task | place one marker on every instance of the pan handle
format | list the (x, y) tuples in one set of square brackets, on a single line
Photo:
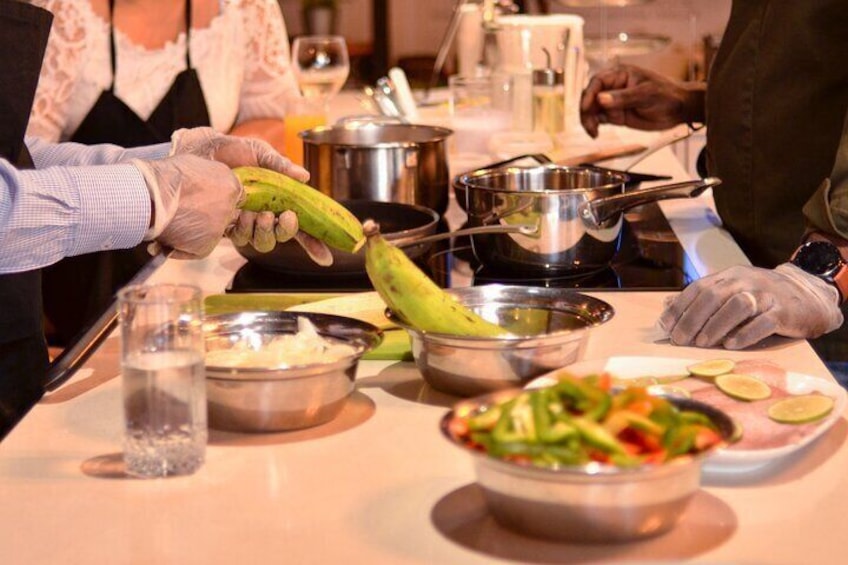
[(524, 229), (596, 212)]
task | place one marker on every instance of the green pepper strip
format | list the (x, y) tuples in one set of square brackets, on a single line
[(541, 417), (643, 423), (679, 440), (502, 432), (597, 436), (485, 420)]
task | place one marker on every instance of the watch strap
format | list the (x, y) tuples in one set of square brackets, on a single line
[(840, 279)]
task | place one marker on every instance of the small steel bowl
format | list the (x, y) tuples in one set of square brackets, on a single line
[(549, 329), (594, 503), (270, 399)]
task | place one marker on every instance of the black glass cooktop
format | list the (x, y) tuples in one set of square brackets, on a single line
[(649, 258)]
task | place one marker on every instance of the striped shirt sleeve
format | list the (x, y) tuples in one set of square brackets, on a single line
[(56, 212), (46, 154)]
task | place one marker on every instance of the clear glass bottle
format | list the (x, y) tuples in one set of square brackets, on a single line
[(549, 100)]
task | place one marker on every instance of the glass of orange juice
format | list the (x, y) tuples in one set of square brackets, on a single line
[(305, 114)]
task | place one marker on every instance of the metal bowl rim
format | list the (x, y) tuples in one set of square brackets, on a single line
[(289, 373), (607, 313), (584, 471)]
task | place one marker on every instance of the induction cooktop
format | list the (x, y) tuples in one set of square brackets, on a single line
[(649, 257)]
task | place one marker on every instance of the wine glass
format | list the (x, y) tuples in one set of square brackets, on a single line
[(321, 66)]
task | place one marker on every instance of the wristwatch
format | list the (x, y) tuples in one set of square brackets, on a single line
[(822, 259)]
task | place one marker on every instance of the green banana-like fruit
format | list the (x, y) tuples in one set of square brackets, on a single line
[(317, 214), (413, 296)]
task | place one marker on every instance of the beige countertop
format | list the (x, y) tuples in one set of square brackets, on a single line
[(379, 484)]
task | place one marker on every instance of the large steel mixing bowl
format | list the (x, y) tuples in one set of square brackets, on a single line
[(273, 398), (549, 328), (594, 503)]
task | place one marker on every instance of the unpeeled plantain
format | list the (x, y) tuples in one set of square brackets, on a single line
[(317, 214), (413, 296)]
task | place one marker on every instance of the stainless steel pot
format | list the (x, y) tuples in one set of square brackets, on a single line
[(578, 211), (387, 162)]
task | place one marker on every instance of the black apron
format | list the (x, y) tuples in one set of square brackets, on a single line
[(24, 30), (773, 140), (78, 289)]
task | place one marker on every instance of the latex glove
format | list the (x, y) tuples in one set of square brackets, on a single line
[(244, 151), (741, 306), (637, 98), (194, 200), (234, 151), (263, 231)]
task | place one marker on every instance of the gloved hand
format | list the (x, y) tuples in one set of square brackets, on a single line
[(194, 200), (262, 230), (234, 151), (743, 305), (635, 97)]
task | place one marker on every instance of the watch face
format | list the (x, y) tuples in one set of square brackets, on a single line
[(818, 257)]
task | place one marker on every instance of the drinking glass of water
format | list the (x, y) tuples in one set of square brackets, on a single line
[(321, 65), (164, 384)]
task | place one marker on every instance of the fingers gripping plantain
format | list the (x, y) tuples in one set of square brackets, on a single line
[(413, 296), (317, 214)]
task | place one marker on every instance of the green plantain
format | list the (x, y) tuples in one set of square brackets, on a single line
[(413, 296), (317, 214)]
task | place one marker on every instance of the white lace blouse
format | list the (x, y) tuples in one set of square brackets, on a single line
[(242, 60)]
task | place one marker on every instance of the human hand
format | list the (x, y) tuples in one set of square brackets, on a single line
[(234, 151), (637, 98), (263, 231), (194, 200), (743, 305)]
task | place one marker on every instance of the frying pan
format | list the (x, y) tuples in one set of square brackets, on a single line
[(397, 221)]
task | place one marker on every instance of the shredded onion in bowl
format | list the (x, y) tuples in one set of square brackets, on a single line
[(306, 347)]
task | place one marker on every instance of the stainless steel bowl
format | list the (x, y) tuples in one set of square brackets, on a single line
[(549, 328), (272, 399), (595, 503)]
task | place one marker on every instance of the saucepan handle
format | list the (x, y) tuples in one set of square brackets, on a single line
[(596, 212)]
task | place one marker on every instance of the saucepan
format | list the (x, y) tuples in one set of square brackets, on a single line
[(388, 162), (577, 213), (632, 183)]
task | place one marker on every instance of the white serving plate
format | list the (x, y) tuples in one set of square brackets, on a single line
[(726, 460)]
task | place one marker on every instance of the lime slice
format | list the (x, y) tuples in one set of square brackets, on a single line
[(711, 368), (742, 387), (801, 409)]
